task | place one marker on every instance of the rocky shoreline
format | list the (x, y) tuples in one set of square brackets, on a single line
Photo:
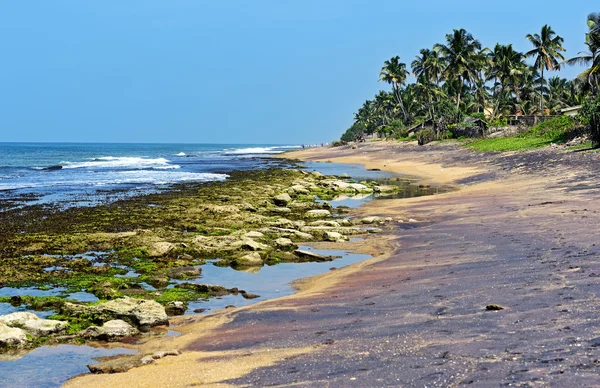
[(139, 257)]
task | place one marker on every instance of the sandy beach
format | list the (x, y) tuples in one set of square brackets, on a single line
[(518, 231)]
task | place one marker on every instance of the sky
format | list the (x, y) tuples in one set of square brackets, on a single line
[(229, 71)]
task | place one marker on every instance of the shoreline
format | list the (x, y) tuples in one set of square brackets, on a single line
[(512, 236)]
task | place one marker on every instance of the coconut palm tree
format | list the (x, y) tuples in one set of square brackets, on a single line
[(590, 78), (463, 58), (507, 67), (429, 65), (394, 73), (547, 48)]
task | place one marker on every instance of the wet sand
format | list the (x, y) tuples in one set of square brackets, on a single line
[(520, 231)]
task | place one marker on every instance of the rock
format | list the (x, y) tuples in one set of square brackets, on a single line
[(285, 244), (33, 324), (335, 185), (312, 256), (184, 272), (344, 176), (248, 295), (354, 146), (335, 237), (412, 220), (160, 249), (200, 310), (298, 190), (320, 230), (251, 245), (175, 308), (282, 223), (303, 236), (389, 219), (494, 307), (360, 188), (317, 175), (374, 230), (137, 312), (252, 259), (282, 199), (370, 220), (332, 224), (11, 337), (281, 210), (254, 234), (248, 207), (110, 330), (319, 213)]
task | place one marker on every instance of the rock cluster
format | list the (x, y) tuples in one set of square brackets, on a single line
[(18, 328)]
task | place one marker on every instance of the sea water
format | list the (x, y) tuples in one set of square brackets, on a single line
[(55, 172)]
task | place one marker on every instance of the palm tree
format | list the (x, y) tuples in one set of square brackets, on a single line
[(429, 65), (463, 57), (507, 68), (547, 48), (590, 78), (394, 73)]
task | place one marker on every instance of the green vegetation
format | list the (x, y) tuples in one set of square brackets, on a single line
[(552, 131), (460, 79)]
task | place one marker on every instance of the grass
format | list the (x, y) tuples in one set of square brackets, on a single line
[(552, 131)]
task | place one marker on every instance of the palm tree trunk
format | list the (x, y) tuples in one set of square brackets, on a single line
[(459, 92), (542, 94), (399, 98)]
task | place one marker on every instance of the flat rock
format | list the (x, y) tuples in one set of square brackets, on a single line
[(318, 213), (298, 190), (335, 237), (254, 234), (312, 256), (370, 220), (110, 330), (138, 312), (251, 245), (33, 324)]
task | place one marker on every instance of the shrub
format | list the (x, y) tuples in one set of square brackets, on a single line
[(425, 136), (554, 128), (590, 115), (498, 123), (338, 143)]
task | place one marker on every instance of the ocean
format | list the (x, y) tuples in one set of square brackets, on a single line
[(86, 172)]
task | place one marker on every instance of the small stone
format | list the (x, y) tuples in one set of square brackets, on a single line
[(335, 237), (175, 308), (494, 307)]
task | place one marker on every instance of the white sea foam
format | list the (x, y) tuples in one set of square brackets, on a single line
[(258, 150), (119, 177), (180, 154), (123, 162)]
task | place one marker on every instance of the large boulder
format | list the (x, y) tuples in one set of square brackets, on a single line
[(138, 312), (33, 324), (110, 330), (282, 199), (318, 213), (11, 337)]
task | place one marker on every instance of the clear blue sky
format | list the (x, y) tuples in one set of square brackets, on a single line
[(223, 71)]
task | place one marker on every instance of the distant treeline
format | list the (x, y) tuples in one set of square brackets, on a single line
[(460, 78)]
